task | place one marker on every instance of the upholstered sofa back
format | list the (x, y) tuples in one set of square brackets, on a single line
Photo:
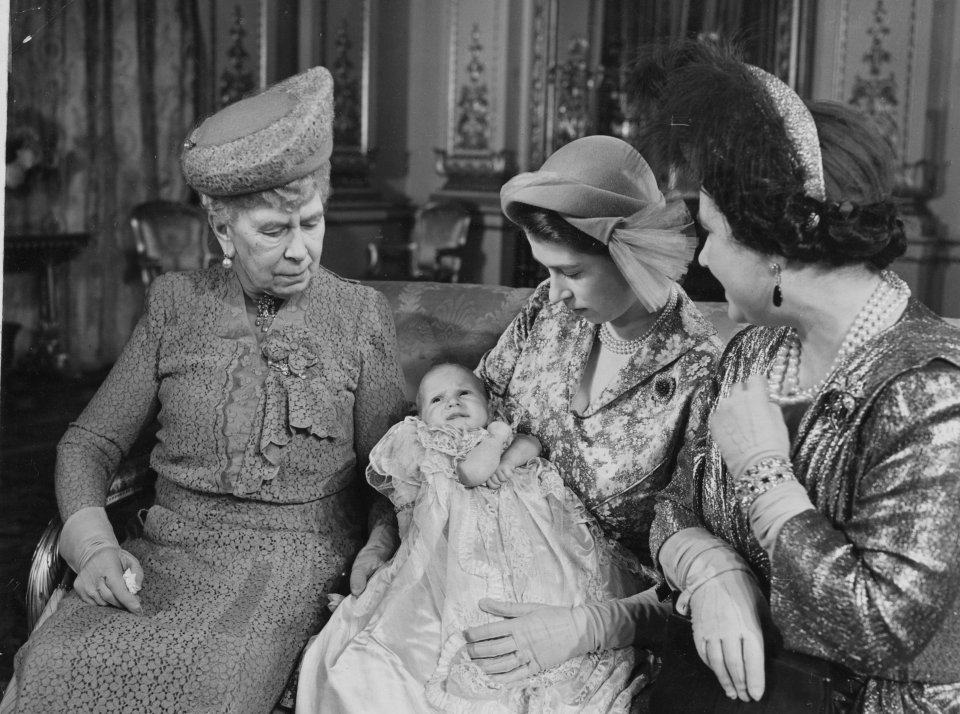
[(459, 322)]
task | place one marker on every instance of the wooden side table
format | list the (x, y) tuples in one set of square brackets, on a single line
[(46, 254)]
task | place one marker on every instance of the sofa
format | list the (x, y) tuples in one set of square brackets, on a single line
[(459, 322), (434, 321)]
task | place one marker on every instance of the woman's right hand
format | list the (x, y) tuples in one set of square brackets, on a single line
[(727, 613), (101, 582)]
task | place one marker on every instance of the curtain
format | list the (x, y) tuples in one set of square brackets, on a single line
[(110, 89)]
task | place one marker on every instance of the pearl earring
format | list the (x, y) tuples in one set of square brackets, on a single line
[(777, 293), (227, 262)]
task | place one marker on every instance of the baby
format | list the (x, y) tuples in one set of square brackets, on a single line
[(452, 395), (480, 516)]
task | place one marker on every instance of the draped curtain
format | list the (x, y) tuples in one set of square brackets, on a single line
[(110, 88)]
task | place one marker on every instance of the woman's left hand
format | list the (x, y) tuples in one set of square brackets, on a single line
[(379, 549), (747, 426), (532, 638)]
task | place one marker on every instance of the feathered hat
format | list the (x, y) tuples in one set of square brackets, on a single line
[(736, 130)]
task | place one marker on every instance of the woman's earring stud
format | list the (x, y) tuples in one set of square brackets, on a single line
[(777, 294), (227, 262)]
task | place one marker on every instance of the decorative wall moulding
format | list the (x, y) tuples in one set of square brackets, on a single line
[(472, 158), (481, 171), (344, 32), (880, 71)]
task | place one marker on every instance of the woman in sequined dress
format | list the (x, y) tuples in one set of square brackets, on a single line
[(819, 510), (601, 366), (271, 380)]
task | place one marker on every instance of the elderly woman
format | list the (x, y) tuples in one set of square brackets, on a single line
[(271, 380), (825, 491), (601, 366)]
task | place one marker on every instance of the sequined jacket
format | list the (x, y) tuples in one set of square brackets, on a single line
[(622, 449), (871, 578)]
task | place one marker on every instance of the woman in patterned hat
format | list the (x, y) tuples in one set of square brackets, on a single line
[(601, 365), (271, 379), (813, 528)]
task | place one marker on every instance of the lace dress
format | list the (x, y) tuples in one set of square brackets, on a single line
[(258, 503), (399, 646)]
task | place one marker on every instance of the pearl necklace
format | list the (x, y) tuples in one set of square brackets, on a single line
[(889, 298), (267, 308), (628, 347)]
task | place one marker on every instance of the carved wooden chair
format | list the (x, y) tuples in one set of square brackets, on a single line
[(171, 236), (438, 242), (350, 256)]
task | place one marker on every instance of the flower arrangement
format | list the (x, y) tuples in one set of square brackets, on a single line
[(24, 153)]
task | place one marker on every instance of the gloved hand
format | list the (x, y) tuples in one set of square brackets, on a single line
[(535, 637), (691, 557), (748, 427), (727, 611), (89, 546), (770, 511), (380, 547)]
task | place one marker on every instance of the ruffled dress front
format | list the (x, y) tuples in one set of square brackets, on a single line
[(399, 646)]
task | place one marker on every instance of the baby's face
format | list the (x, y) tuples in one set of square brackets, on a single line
[(453, 395)]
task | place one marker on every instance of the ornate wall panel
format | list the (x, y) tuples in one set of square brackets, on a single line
[(473, 156), (886, 61), (882, 68)]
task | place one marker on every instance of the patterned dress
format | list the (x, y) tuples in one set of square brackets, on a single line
[(871, 578), (622, 450), (258, 506), (528, 541)]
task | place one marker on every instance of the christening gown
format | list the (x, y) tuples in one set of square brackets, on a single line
[(399, 646)]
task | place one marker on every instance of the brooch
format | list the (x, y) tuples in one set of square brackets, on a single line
[(664, 388), (839, 406)]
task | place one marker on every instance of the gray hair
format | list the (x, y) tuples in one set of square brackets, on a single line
[(225, 209)]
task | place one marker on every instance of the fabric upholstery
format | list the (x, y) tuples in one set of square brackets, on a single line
[(458, 322)]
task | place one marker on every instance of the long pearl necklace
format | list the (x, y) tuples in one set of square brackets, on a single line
[(889, 298), (628, 347)]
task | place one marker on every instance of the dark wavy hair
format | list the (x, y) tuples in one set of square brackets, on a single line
[(708, 117), (859, 221), (547, 225)]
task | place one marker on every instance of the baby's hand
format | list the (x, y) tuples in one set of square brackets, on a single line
[(333, 600), (500, 430), (503, 474)]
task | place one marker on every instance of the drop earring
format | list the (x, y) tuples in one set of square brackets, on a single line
[(777, 294), (227, 262)]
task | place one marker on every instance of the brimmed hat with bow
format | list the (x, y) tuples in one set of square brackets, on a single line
[(602, 186)]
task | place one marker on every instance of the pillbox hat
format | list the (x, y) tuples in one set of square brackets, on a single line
[(263, 141)]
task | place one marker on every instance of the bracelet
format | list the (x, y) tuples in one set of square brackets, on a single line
[(761, 477)]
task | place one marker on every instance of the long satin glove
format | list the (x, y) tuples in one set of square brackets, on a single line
[(771, 510), (718, 589), (727, 612), (691, 557), (380, 546), (747, 427), (89, 546), (535, 637)]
